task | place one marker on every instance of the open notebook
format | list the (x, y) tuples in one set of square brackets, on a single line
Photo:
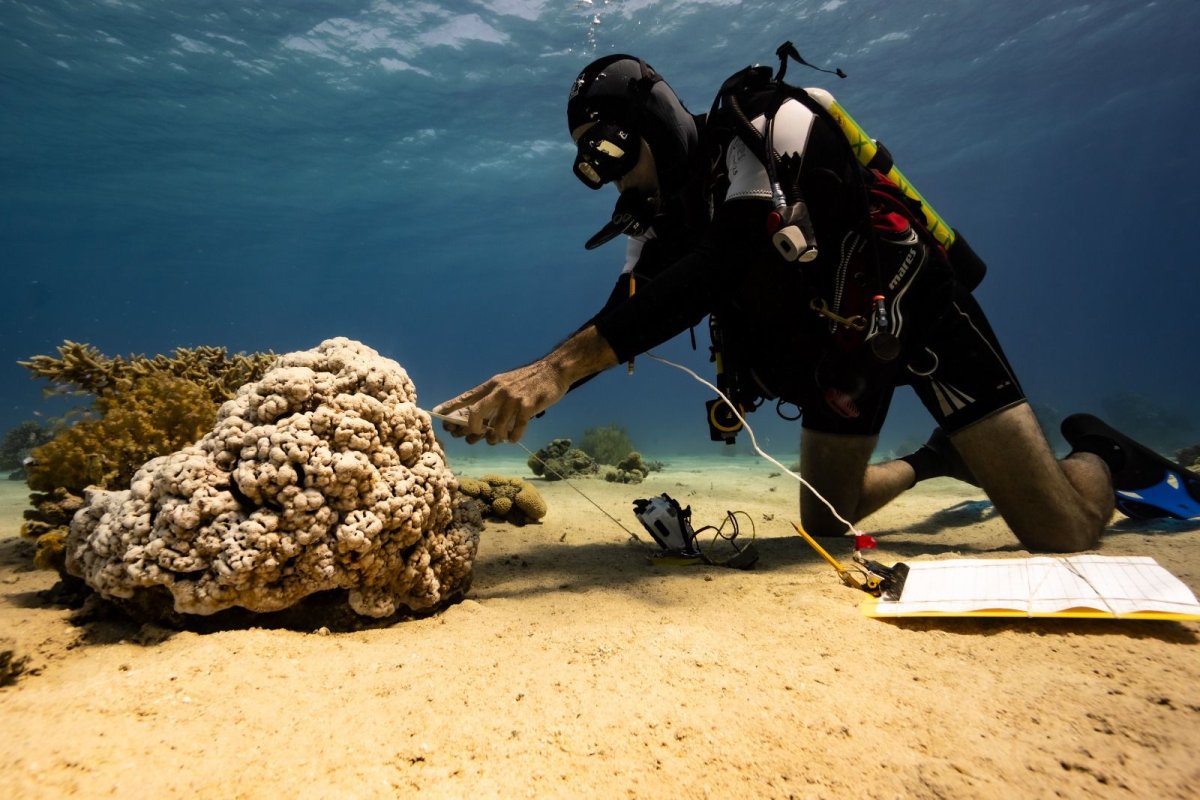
[(1126, 587)]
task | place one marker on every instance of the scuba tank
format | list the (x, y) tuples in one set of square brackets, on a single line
[(969, 268), (882, 178)]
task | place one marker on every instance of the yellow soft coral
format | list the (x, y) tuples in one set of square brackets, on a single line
[(137, 421), (51, 550)]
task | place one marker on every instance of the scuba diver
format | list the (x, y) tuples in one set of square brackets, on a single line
[(827, 285)]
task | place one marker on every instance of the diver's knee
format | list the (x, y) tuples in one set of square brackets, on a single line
[(826, 528), (1081, 532), (819, 520)]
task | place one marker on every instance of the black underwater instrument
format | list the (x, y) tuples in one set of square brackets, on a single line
[(723, 423)]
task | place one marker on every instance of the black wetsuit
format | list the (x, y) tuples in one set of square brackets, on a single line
[(764, 304)]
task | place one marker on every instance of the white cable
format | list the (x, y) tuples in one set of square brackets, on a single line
[(462, 421), (754, 441)]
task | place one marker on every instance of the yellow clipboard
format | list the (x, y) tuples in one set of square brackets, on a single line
[(877, 608)]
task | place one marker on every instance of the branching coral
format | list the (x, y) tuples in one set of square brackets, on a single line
[(322, 475), (510, 499), (82, 368), (136, 422)]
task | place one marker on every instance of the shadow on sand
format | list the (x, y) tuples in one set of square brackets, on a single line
[(572, 569)]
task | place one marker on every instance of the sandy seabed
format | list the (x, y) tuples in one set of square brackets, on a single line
[(578, 668)]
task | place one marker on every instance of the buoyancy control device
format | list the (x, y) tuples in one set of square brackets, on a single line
[(789, 223)]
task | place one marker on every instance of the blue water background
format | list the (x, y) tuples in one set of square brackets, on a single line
[(263, 175)]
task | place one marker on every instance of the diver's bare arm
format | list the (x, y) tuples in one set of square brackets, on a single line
[(500, 408)]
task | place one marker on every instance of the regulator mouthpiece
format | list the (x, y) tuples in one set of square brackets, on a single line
[(633, 215), (792, 233)]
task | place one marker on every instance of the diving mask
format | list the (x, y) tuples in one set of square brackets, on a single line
[(606, 152)]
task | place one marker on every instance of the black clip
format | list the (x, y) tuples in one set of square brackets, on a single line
[(890, 579)]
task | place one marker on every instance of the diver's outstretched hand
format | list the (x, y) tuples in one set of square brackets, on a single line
[(499, 409)]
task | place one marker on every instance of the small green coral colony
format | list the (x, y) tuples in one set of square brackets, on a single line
[(607, 444), (630, 469)]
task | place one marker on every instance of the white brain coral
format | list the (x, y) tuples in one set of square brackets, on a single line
[(322, 475)]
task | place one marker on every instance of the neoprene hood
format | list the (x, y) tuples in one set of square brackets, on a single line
[(626, 90)]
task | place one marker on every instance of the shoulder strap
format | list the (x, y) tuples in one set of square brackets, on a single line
[(727, 113)]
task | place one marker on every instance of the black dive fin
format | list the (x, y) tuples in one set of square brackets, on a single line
[(1147, 485)]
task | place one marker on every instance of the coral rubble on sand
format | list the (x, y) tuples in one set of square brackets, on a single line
[(12, 665), (321, 475)]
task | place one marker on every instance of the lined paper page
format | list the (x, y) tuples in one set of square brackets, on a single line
[(1135, 583), (1043, 584)]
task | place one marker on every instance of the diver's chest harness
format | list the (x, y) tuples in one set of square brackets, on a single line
[(879, 259)]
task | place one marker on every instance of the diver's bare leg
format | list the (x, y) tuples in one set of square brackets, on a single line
[(1061, 506), (837, 467)]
